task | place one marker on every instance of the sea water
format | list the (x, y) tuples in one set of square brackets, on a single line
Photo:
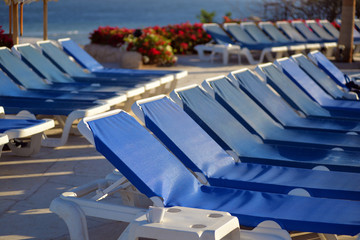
[(77, 18)]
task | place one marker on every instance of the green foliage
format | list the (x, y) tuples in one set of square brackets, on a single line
[(205, 16)]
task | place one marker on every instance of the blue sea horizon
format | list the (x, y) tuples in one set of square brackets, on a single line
[(76, 19)]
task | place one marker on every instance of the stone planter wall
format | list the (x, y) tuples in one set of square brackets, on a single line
[(108, 54)]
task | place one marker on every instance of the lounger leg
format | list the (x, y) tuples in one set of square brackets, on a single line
[(73, 216), (33, 146), (324, 236), (225, 55)]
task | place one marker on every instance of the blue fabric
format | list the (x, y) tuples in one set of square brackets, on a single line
[(230, 134), (327, 66), (13, 105), (184, 138), (46, 69), (282, 112), (8, 124), (275, 34), (245, 109), (9, 88), (338, 108), (256, 33), (291, 32), (88, 62), (331, 29), (307, 33), (245, 39), (22, 74), (319, 77), (218, 35), (321, 32), (295, 92), (155, 172)]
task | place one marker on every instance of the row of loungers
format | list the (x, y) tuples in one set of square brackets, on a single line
[(257, 145), (267, 38), (44, 80)]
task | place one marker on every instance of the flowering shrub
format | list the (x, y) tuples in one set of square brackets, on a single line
[(5, 39), (154, 48), (113, 36), (179, 38), (184, 37)]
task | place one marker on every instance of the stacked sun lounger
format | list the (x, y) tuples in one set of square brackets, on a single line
[(269, 40), (280, 146)]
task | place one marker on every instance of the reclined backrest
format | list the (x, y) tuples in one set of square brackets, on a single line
[(290, 31), (330, 28), (306, 32), (41, 64), (320, 31), (7, 86), (256, 32), (18, 70), (290, 91), (274, 32), (142, 159), (80, 55), (318, 76), (239, 34), (217, 34), (60, 59), (193, 146), (327, 66)]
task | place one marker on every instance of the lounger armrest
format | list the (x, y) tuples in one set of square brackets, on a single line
[(136, 108), (85, 129)]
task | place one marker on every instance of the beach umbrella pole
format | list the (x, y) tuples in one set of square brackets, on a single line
[(45, 19), (15, 17)]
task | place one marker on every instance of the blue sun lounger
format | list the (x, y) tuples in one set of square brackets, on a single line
[(44, 68), (230, 134), (10, 88), (88, 62), (321, 31), (47, 69), (277, 36), (322, 79), (330, 69), (295, 36), (250, 43), (281, 111), (23, 75), (155, 172), (302, 101), (65, 111), (336, 33), (254, 118), (20, 127), (200, 153)]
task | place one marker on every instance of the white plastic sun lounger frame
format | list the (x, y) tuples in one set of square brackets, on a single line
[(3, 140), (73, 209), (224, 50), (34, 132)]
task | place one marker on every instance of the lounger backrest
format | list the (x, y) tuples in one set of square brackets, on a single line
[(274, 32), (239, 34), (330, 28), (224, 128), (184, 137), (60, 59), (256, 32), (18, 70), (320, 31), (142, 159), (297, 75), (243, 107), (41, 64), (291, 92), (290, 31), (318, 76), (306, 32), (253, 86), (80, 55), (327, 66), (217, 34), (8, 87)]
